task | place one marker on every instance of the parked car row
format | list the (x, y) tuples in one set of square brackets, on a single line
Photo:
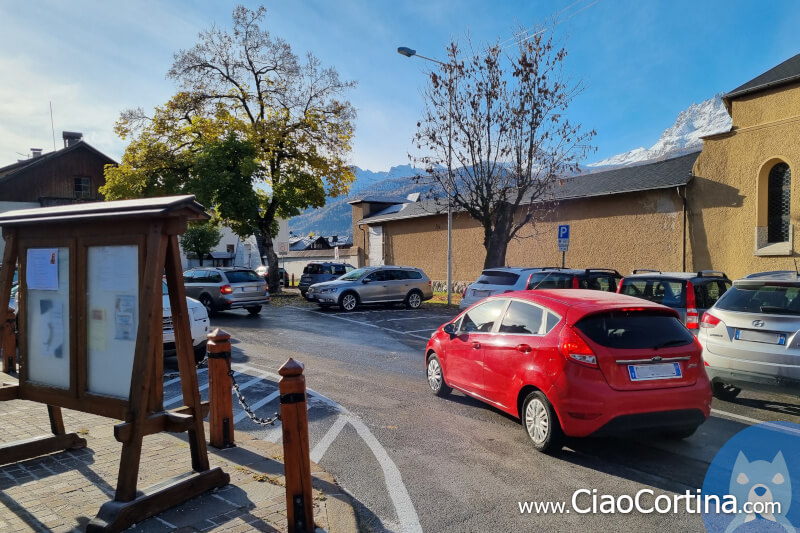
[(591, 362)]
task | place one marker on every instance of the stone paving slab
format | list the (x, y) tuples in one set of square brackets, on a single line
[(63, 491)]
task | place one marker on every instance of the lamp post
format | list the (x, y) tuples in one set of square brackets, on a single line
[(409, 52)]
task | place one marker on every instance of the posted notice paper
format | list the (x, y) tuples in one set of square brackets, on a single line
[(41, 269)]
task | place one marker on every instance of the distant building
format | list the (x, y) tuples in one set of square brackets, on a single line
[(72, 174), (731, 207)]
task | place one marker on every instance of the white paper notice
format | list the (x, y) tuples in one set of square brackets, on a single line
[(41, 270)]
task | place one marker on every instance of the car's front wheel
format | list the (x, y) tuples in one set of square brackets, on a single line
[(253, 309), (541, 423), (414, 300), (348, 301), (436, 377), (725, 392)]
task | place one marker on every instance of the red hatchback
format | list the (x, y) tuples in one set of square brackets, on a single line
[(574, 362)]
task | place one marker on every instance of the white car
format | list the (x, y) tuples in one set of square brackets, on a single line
[(200, 326)]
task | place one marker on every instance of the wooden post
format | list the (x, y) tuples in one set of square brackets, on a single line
[(297, 463), (292, 279), (9, 344), (220, 416)]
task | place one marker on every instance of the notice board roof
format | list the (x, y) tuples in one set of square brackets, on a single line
[(143, 208)]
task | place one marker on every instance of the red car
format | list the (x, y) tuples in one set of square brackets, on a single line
[(576, 363)]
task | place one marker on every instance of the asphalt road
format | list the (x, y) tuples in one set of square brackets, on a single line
[(416, 462)]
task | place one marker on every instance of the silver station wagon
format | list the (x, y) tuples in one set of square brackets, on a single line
[(369, 285), (751, 337)]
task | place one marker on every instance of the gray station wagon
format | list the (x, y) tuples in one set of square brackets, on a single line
[(368, 285), (227, 288)]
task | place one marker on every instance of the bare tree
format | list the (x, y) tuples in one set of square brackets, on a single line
[(495, 137)]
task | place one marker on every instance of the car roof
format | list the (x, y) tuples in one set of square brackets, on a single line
[(656, 274), (584, 301), (757, 278), (579, 271), (514, 270)]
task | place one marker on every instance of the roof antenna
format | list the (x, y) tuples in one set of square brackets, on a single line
[(52, 126)]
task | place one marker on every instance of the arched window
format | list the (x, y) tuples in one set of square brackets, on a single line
[(779, 189)]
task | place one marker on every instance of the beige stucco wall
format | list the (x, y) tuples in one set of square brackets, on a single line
[(626, 231), (768, 106), (727, 198)]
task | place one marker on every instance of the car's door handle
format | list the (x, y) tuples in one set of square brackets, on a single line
[(476, 345), (524, 348)]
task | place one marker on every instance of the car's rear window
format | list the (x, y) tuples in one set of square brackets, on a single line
[(661, 291), (242, 276), (762, 299), (635, 330), (497, 277), (550, 280), (313, 269)]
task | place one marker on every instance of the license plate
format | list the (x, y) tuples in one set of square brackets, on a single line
[(654, 371), (767, 337), (482, 294)]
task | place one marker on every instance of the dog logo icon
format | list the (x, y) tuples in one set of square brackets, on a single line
[(754, 473), (765, 483)]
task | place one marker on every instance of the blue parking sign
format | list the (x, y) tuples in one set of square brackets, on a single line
[(563, 232)]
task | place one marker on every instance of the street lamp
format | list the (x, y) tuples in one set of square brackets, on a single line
[(410, 52)]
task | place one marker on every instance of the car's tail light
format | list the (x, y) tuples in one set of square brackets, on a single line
[(430, 283), (619, 286), (226, 289), (464, 293), (575, 282), (692, 316), (709, 320), (528, 283), (575, 349)]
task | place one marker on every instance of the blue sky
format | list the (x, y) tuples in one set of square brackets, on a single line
[(641, 61)]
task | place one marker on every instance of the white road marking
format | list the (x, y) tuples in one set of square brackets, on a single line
[(394, 481), (169, 525), (413, 318), (175, 380), (404, 507), (360, 323), (253, 381), (755, 421), (322, 446), (263, 401), (420, 330)]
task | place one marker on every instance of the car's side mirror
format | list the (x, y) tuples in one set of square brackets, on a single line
[(450, 328), (365, 280)]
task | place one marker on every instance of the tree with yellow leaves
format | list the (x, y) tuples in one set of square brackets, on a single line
[(254, 133)]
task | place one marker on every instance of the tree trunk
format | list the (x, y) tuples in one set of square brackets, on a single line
[(496, 238), (272, 262), (199, 257)]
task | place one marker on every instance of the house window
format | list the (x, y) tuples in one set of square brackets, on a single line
[(83, 188), (230, 248), (779, 188)]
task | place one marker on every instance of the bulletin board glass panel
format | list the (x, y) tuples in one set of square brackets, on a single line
[(112, 315), (47, 308)]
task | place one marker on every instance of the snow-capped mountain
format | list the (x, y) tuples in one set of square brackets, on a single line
[(699, 120)]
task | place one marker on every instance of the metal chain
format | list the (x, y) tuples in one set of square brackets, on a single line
[(246, 407)]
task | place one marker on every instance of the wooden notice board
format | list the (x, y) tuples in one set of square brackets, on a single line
[(90, 335)]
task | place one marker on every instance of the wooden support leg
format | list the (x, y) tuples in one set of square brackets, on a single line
[(183, 346), (56, 420), (9, 344)]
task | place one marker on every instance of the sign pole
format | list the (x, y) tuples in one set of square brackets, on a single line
[(563, 259)]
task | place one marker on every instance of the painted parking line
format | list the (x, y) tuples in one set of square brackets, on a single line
[(404, 507), (421, 330), (175, 380), (263, 401), (359, 322), (415, 318), (755, 421)]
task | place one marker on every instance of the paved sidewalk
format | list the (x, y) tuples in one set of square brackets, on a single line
[(64, 491)]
